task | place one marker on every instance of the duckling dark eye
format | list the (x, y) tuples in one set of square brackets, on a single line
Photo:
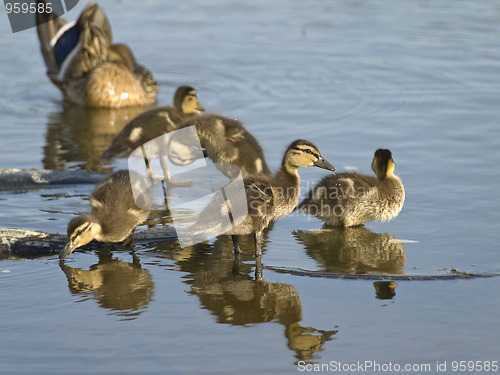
[(308, 151)]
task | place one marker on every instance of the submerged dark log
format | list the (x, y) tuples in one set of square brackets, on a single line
[(20, 243), (19, 179)]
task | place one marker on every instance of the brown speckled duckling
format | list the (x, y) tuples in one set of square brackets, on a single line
[(227, 143), (114, 213), (267, 198), (154, 123), (84, 64), (350, 199)]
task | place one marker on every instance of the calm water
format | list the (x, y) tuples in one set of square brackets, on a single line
[(420, 78)]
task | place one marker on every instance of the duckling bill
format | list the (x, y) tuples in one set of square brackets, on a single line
[(351, 199), (267, 198), (114, 213)]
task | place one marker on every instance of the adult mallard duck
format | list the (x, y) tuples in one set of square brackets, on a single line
[(84, 64), (349, 199), (266, 198), (114, 212)]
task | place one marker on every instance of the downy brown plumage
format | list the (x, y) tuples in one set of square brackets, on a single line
[(114, 213), (266, 198), (350, 199)]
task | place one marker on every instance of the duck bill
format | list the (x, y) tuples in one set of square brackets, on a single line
[(322, 163), (68, 249), (200, 108)]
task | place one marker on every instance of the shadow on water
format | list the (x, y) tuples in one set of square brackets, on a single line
[(123, 287), (76, 136), (226, 286)]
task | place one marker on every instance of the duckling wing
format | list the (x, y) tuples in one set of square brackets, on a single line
[(113, 204), (143, 128), (338, 190), (227, 141)]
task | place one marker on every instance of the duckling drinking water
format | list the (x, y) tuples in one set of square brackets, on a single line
[(266, 198), (350, 199), (114, 213), (228, 144), (84, 64)]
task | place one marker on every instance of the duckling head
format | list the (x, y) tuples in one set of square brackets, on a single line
[(382, 164), (81, 230), (302, 153), (186, 100)]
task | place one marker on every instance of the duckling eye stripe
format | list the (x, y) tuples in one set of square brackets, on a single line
[(306, 150), (79, 232)]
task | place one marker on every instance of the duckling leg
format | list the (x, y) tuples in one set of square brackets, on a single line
[(236, 264), (128, 242), (258, 268), (235, 244), (258, 246), (169, 180)]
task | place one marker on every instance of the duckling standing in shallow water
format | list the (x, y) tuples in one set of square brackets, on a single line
[(350, 199), (154, 123), (114, 212), (84, 64), (266, 198), (227, 143)]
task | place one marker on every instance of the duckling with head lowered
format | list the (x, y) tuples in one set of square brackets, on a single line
[(84, 64), (350, 199), (114, 212), (229, 144), (266, 198)]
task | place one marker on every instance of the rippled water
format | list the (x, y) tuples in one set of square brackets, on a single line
[(420, 78)]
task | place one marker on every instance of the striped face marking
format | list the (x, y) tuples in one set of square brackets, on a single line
[(308, 150), (79, 231)]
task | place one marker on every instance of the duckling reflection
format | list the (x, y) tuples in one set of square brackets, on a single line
[(115, 284), (385, 289), (231, 294), (355, 250), (77, 135)]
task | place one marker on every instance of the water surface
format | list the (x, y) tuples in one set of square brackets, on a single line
[(420, 78)]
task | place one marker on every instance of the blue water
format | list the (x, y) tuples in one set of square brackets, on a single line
[(420, 78)]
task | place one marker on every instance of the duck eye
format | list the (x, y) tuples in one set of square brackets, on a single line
[(308, 151)]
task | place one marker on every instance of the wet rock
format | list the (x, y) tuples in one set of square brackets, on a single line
[(17, 179), (20, 243)]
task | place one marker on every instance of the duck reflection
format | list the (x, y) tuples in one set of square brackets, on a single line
[(385, 289), (77, 135), (224, 286), (121, 286), (354, 250)]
